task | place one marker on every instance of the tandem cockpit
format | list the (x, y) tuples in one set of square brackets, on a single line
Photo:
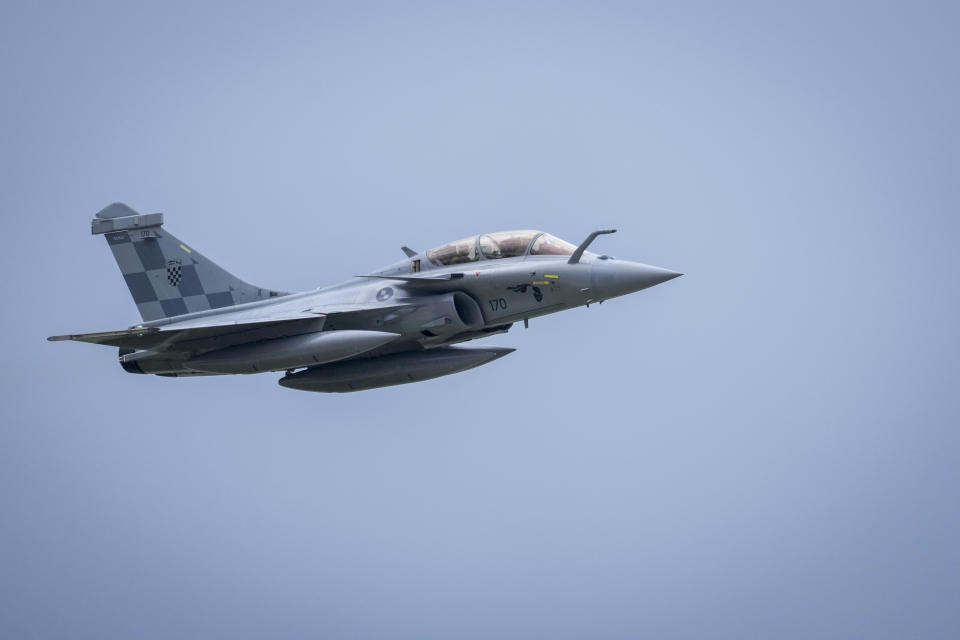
[(478, 249), (503, 244)]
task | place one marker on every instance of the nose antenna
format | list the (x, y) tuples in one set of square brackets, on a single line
[(575, 258)]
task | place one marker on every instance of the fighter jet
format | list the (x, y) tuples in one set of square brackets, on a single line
[(392, 326)]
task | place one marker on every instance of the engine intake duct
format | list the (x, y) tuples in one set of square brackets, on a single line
[(454, 313)]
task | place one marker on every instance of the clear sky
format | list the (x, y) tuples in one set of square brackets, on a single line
[(766, 447)]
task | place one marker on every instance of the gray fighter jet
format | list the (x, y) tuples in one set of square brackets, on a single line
[(393, 326)]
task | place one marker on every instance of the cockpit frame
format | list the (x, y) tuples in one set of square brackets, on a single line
[(482, 247)]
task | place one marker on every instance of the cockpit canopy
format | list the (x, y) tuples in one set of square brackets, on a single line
[(503, 244)]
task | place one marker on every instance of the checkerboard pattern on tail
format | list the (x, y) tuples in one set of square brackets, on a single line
[(174, 272), (166, 277)]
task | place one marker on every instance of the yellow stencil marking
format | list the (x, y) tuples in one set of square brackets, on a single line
[(184, 247), (550, 275), (543, 282)]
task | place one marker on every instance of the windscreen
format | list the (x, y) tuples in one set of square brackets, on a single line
[(548, 245), (506, 244)]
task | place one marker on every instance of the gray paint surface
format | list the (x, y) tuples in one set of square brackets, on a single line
[(459, 292), (764, 447)]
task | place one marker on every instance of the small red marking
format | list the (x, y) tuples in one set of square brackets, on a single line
[(478, 274)]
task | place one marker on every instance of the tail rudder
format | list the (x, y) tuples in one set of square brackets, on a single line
[(165, 276)]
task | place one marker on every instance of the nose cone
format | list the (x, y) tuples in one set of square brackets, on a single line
[(618, 277)]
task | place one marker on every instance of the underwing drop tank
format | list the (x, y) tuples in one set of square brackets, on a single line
[(389, 370), (291, 352)]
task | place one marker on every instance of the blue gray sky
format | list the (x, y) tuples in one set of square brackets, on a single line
[(766, 447)]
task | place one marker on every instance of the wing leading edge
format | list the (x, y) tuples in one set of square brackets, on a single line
[(215, 332), (174, 338)]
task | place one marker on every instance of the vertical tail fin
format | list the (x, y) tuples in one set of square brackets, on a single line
[(166, 277)]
